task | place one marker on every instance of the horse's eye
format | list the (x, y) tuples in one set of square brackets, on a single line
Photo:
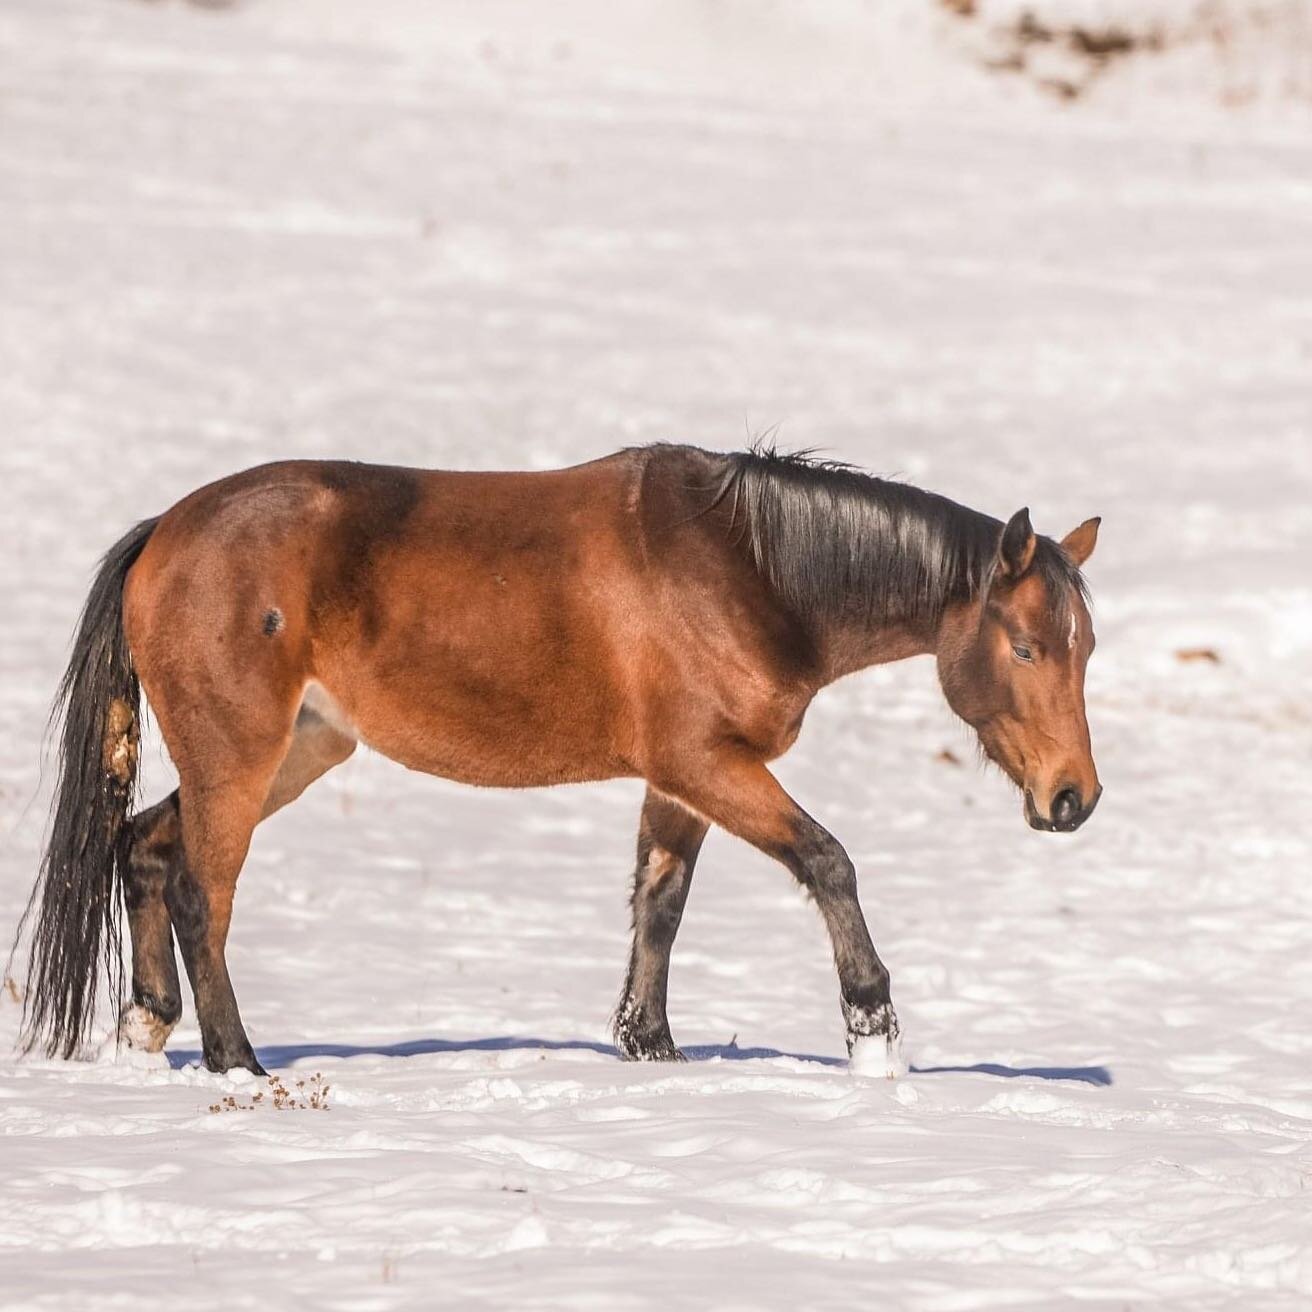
[(1022, 653)]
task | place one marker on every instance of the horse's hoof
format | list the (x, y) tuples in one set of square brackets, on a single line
[(670, 1053), (638, 1038), (878, 1055), (656, 1049), (221, 1064)]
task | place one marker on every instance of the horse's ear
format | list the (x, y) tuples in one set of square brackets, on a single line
[(1016, 547), (1079, 543)]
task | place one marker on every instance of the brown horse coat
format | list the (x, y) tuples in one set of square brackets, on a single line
[(499, 629)]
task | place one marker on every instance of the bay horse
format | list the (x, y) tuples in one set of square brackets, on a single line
[(665, 613)]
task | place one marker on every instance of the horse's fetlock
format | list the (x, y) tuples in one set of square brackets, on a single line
[(166, 1006), (868, 1017)]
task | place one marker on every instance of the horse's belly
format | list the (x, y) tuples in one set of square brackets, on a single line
[(502, 733)]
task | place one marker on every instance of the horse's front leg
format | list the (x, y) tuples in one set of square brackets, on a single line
[(742, 796), (823, 868), (669, 838)]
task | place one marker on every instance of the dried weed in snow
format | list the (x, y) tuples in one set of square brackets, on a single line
[(304, 1096)]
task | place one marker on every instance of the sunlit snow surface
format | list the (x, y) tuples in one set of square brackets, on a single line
[(443, 235)]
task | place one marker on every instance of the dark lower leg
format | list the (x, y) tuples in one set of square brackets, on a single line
[(822, 867), (743, 797), (156, 997), (216, 835), (669, 838), (201, 921)]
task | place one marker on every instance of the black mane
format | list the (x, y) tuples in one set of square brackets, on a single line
[(837, 544)]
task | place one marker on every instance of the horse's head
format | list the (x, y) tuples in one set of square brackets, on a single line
[(1012, 661)]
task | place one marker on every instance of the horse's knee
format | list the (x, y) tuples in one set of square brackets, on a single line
[(824, 868), (870, 995)]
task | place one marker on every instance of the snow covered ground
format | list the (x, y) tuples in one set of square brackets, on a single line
[(471, 235)]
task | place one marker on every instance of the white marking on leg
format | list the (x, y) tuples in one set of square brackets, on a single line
[(141, 1028)]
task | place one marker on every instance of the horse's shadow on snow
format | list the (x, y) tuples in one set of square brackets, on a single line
[(1099, 1075), (280, 1056)]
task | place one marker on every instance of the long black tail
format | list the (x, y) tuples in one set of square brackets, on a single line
[(78, 893)]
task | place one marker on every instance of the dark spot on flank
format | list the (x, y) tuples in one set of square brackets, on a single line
[(272, 621)]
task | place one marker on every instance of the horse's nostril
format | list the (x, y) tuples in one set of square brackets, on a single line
[(1065, 806)]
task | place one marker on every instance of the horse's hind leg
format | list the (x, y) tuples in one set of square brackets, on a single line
[(218, 818), (157, 861), (669, 838), (156, 997), (221, 803)]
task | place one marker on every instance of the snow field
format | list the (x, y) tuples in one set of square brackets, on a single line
[(479, 238)]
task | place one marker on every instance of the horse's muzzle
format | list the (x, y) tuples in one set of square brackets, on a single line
[(1068, 811)]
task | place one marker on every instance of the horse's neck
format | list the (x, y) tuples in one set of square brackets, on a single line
[(847, 648)]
